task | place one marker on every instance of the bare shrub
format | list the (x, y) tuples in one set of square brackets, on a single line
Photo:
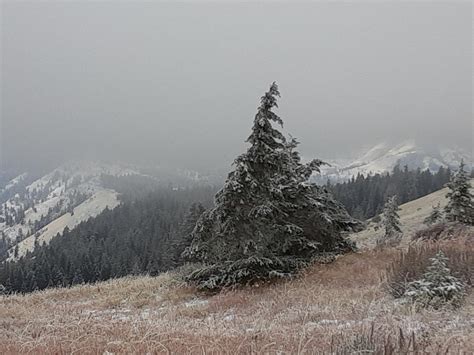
[(443, 231), (389, 242)]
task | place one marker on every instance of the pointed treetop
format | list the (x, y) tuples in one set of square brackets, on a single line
[(269, 100), (266, 140)]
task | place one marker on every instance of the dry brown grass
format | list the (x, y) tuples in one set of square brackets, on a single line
[(445, 231), (328, 308)]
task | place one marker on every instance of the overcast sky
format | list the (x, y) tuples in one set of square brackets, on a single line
[(160, 83)]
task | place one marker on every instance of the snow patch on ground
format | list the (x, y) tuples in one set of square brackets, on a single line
[(197, 302)]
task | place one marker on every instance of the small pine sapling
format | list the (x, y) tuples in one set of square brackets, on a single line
[(437, 286)]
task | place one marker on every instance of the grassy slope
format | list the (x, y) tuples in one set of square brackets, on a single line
[(304, 315), (411, 214), (145, 314)]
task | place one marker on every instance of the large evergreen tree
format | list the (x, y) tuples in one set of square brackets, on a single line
[(268, 220), (460, 207)]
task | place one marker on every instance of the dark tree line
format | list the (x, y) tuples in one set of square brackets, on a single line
[(144, 235), (365, 196)]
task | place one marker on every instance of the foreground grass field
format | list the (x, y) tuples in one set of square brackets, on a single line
[(334, 308)]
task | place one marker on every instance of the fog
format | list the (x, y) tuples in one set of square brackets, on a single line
[(179, 84)]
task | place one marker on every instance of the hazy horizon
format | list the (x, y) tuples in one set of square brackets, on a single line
[(179, 84)]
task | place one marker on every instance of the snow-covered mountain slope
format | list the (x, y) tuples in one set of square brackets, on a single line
[(91, 207), (412, 214), (14, 182), (64, 197), (383, 158)]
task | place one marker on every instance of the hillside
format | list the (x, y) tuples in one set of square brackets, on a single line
[(321, 310), (339, 308), (36, 211), (411, 215), (90, 208)]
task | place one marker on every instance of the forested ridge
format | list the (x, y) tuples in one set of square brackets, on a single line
[(365, 196), (142, 235)]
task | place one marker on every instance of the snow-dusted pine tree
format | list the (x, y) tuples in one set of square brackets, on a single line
[(268, 220), (460, 207), (437, 286), (435, 216), (391, 223)]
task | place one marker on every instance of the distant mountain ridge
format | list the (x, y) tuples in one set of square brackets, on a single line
[(383, 157), (35, 211)]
